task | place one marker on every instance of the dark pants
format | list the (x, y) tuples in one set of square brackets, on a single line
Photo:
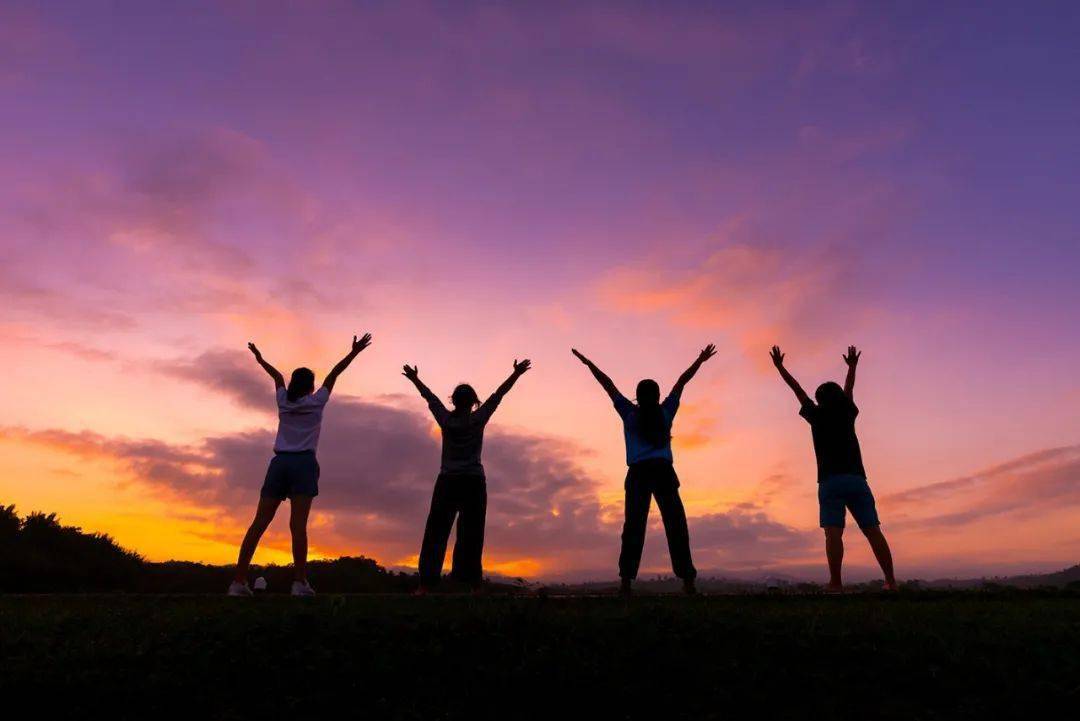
[(643, 481), (466, 498)]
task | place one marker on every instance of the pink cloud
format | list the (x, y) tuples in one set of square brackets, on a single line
[(1031, 485), (164, 230), (758, 295)]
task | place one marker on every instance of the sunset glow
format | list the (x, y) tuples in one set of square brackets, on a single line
[(474, 183)]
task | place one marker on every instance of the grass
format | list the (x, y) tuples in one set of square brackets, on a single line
[(912, 656)]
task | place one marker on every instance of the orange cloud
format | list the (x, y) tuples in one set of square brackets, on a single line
[(759, 295)]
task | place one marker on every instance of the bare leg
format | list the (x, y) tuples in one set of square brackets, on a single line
[(834, 552), (263, 515), (882, 553), (301, 507)]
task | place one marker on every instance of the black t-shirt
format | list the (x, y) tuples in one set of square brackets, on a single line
[(835, 443)]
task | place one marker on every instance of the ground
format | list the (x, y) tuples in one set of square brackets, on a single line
[(912, 656)]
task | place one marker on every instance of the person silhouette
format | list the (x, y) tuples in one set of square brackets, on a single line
[(651, 471), (841, 476), (461, 487), (294, 471)]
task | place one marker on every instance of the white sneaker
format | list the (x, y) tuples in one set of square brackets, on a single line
[(302, 588), (236, 588)]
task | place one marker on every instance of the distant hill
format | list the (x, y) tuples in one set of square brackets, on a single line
[(1059, 578), (1069, 575), (1068, 578)]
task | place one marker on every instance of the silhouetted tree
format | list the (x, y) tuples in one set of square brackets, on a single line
[(39, 554)]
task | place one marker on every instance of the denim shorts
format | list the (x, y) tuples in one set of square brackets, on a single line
[(292, 474), (846, 491)]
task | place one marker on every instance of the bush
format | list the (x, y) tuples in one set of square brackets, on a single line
[(39, 555)]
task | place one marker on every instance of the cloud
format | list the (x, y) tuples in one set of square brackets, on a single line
[(229, 371), (379, 461), (157, 226), (746, 538), (757, 294), (1034, 484), (23, 334), (84, 352), (26, 297)]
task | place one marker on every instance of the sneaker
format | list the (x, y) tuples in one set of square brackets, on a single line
[(239, 588), (302, 588), (689, 587)]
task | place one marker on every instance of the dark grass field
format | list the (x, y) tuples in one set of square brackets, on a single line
[(912, 656)]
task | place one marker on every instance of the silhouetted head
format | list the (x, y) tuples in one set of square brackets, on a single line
[(301, 383), (464, 398), (652, 425), (830, 395), (648, 393)]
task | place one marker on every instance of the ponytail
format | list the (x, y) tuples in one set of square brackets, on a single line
[(653, 427)]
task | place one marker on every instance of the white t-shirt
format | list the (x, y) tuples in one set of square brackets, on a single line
[(299, 421)]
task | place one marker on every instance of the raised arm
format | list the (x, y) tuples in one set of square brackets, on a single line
[(778, 361), (708, 352), (519, 370), (413, 374), (357, 346), (279, 380), (852, 360), (599, 375)]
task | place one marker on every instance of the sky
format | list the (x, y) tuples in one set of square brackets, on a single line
[(478, 182)]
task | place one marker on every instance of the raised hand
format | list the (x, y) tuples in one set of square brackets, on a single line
[(778, 361), (777, 356), (523, 366), (605, 382), (707, 352), (359, 345), (852, 357), (279, 380), (411, 372)]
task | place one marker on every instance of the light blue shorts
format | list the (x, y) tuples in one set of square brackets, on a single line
[(846, 491)]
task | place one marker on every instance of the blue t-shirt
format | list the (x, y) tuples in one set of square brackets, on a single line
[(637, 448)]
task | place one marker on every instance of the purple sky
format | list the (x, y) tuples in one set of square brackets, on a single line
[(475, 182)]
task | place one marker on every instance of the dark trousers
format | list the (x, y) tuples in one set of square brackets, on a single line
[(466, 498), (643, 481)]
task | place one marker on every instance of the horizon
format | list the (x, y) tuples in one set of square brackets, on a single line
[(806, 573), (485, 183)]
